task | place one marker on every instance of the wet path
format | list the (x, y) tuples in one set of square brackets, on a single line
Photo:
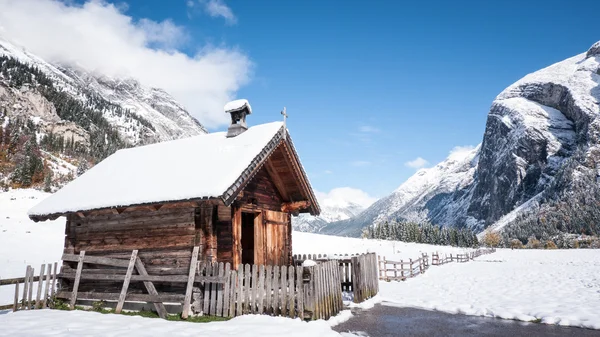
[(385, 320)]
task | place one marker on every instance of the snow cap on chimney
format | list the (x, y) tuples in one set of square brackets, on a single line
[(238, 110)]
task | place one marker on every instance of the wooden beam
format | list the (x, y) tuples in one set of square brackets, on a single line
[(190, 284), (167, 298), (81, 214), (143, 278), (160, 307), (77, 279), (126, 282), (97, 260), (276, 179), (289, 207)]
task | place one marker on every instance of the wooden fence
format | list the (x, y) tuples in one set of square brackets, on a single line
[(403, 269), (436, 260), (46, 288), (214, 289), (357, 272)]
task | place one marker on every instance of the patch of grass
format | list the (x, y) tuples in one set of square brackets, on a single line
[(537, 320), (197, 319), (99, 308)]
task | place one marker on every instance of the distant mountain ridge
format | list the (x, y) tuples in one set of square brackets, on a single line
[(535, 173)]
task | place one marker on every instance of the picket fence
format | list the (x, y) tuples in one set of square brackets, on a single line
[(358, 272), (46, 288)]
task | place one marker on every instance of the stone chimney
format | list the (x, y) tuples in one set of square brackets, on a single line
[(238, 110)]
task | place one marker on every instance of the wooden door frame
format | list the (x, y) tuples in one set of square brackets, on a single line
[(259, 243)]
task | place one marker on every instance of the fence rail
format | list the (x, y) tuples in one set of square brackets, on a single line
[(46, 288), (403, 269), (436, 260)]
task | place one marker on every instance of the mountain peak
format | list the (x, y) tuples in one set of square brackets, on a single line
[(594, 50)]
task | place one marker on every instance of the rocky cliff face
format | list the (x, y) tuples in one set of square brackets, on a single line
[(55, 116), (541, 142)]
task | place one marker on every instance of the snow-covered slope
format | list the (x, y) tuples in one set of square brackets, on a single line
[(329, 213), (338, 204), (538, 160), (153, 115), (439, 194)]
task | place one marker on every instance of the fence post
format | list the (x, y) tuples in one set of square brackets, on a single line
[(308, 283), (15, 305)]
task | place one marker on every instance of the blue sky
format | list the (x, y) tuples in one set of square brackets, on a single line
[(370, 86)]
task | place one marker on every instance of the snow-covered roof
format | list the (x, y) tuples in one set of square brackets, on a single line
[(238, 104), (205, 166)]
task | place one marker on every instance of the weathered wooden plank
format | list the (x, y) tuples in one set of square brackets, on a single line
[(96, 260), (126, 282), (268, 289), (190, 283), (291, 292), (26, 286), (253, 297), (77, 279), (53, 290), (284, 293), (213, 291), (142, 278), (46, 288), (300, 292), (275, 300), (166, 298), (240, 290), (226, 290), (247, 289), (260, 289), (16, 304), (141, 269), (30, 294), (16, 280), (327, 284), (233, 290)]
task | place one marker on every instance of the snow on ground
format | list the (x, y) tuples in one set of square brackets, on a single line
[(81, 323), (557, 286), (23, 241), (309, 243)]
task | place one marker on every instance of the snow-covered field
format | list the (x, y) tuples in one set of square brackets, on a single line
[(81, 323), (558, 287), (23, 241)]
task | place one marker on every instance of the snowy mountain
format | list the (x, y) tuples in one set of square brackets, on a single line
[(438, 194), (338, 204), (329, 213), (535, 172), (75, 114)]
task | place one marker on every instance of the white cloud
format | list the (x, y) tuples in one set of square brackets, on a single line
[(369, 129), (417, 163), (361, 163), (218, 8), (99, 36), (342, 196), (328, 172), (459, 152)]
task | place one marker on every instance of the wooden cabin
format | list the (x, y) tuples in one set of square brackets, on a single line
[(231, 193)]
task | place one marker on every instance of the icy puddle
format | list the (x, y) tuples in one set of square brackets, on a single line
[(387, 320)]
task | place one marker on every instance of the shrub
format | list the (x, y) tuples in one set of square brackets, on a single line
[(550, 245), (492, 239), (516, 244), (534, 243)]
